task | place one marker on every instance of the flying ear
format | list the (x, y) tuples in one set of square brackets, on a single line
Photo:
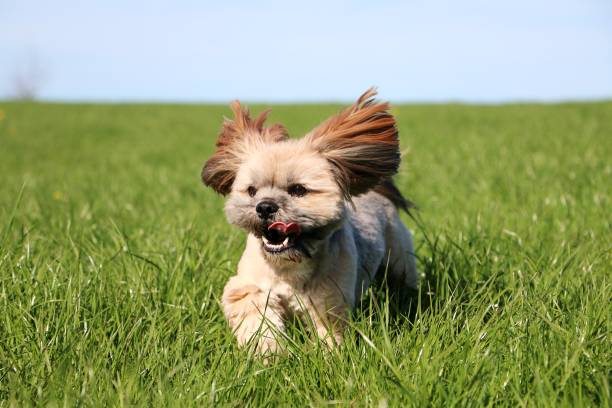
[(236, 139), (361, 143)]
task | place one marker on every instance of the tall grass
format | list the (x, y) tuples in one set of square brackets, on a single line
[(113, 257)]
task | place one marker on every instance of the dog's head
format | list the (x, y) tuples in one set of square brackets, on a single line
[(292, 193)]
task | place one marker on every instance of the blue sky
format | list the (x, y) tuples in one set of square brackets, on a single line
[(432, 51)]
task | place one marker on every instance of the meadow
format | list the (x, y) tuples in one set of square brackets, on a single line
[(113, 257)]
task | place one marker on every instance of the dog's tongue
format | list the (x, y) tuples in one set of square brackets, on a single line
[(286, 229)]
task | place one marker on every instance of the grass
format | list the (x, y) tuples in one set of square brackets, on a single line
[(113, 257)]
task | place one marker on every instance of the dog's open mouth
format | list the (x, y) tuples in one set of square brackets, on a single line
[(279, 237)]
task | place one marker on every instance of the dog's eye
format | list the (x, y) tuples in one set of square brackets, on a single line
[(252, 191), (297, 190)]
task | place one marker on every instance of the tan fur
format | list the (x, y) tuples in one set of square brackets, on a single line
[(233, 144), (321, 276), (361, 142)]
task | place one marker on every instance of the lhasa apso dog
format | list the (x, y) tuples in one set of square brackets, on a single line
[(321, 213)]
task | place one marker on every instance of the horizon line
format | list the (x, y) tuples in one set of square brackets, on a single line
[(169, 101)]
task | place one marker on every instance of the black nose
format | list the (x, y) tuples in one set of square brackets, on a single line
[(265, 209)]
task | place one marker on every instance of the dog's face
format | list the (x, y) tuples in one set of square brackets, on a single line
[(286, 194), (291, 194)]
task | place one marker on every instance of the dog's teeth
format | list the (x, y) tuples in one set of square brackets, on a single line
[(277, 247)]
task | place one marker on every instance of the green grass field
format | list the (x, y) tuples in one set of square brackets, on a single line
[(113, 257)]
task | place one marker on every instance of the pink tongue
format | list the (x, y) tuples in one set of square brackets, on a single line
[(286, 229)]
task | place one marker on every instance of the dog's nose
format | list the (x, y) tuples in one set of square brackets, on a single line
[(265, 209)]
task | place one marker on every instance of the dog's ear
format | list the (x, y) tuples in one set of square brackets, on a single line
[(237, 138), (361, 143)]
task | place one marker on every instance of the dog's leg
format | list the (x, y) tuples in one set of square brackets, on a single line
[(253, 313), (328, 322), (400, 249)]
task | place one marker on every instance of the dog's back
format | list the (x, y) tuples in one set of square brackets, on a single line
[(383, 242)]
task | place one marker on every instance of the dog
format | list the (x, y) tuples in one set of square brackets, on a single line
[(321, 213)]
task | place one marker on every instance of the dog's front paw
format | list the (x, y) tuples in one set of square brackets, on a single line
[(331, 338), (256, 316), (258, 337), (266, 345)]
